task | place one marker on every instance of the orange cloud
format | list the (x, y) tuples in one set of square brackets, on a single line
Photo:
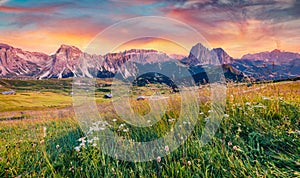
[(46, 41), (49, 35), (239, 37), (238, 27)]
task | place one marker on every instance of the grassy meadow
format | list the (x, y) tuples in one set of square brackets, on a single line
[(258, 136)]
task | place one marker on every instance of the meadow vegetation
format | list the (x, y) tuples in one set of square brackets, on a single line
[(258, 136)]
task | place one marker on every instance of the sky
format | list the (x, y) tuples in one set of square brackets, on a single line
[(238, 26)]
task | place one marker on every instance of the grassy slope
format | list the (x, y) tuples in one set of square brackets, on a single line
[(40, 94), (258, 139), (33, 101)]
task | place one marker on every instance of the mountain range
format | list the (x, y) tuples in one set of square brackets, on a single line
[(69, 61)]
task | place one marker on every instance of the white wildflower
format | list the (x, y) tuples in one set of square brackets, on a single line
[(260, 106), (172, 120), (158, 159), (82, 139), (45, 131), (265, 98), (235, 147), (167, 148), (121, 126), (77, 148)]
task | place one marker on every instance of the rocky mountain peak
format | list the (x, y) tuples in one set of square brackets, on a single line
[(4, 46), (198, 46), (200, 55), (198, 49), (66, 49), (276, 51), (222, 55)]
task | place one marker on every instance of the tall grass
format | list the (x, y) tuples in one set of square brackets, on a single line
[(258, 137)]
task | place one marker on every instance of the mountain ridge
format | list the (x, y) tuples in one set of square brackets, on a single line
[(275, 55), (68, 61)]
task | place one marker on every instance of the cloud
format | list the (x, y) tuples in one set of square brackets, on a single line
[(239, 26), (245, 9), (42, 9), (3, 2)]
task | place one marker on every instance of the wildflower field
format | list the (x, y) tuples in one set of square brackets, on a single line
[(258, 135)]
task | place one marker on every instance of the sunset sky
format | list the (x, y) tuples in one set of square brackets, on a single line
[(238, 26)]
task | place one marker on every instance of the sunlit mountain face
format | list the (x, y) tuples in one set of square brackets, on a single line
[(69, 61)]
